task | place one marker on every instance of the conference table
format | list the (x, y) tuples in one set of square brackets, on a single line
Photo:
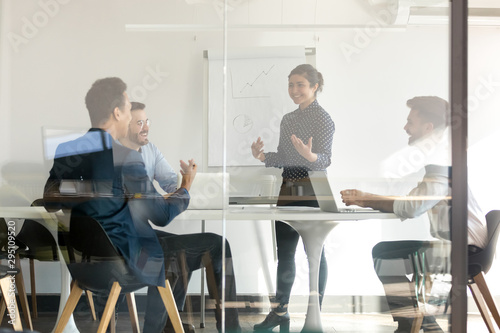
[(312, 224)]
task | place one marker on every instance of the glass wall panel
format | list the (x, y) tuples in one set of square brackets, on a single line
[(365, 116), (52, 53), (483, 102), (377, 121)]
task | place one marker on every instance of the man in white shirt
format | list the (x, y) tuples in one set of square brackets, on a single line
[(427, 127), (158, 169)]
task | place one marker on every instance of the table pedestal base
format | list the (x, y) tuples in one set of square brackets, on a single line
[(313, 236)]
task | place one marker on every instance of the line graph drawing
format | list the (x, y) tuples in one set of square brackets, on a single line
[(257, 86), (266, 73)]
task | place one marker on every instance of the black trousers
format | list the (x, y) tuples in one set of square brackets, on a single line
[(394, 263), (296, 193)]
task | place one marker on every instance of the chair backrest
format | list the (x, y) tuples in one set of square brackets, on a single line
[(93, 260), (40, 242), (481, 261), (3, 234), (4, 240), (87, 237)]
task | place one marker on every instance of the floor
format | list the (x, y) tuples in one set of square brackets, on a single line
[(341, 323)]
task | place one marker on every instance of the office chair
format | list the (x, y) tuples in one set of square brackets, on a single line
[(41, 246), (478, 265), (96, 265), (19, 281), (8, 297)]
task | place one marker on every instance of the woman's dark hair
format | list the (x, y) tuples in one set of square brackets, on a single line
[(311, 74)]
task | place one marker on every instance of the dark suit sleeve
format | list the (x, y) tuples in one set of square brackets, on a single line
[(51, 195), (52, 198)]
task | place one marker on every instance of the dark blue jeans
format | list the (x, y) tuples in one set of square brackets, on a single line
[(202, 249), (197, 248)]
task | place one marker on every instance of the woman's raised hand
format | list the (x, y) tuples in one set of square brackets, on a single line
[(258, 150), (305, 150)]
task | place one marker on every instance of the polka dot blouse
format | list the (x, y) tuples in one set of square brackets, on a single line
[(313, 122)]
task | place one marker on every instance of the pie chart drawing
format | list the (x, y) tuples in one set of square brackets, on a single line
[(242, 123)]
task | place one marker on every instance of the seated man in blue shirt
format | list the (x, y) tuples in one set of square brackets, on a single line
[(160, 170), (112, 187), (427, 128), (156, 165)]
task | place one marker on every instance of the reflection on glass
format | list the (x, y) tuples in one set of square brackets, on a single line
[(374, 56), (396, 261)]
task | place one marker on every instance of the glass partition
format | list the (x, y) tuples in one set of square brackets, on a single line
[(298, 115), (376, 121), (482, 134)]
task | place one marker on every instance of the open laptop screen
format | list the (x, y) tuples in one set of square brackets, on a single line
[(325, 197)]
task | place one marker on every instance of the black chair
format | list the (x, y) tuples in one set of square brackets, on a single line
[(5, 246), (478, 265), (96, 265), (8, 297), (41, 246)]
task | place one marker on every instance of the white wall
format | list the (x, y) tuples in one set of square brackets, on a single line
[(369, 74)]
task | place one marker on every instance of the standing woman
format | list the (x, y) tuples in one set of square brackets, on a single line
[(305, 144)]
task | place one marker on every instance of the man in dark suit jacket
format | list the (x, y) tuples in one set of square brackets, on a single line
[(109, 183)]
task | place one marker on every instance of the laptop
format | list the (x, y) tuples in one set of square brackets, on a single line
[(324, 195), (207, 191)]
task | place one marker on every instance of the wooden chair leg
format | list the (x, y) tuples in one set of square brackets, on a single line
[(417, 279), (417, 323), (169, 302), (90, 300), (2, 310), (112, 322), (485, 291), (481, 305), (132, 310), (211, 283), (109, 309), (21, 291), (184, 270), (74, 296), (33, 288), (10, 299)]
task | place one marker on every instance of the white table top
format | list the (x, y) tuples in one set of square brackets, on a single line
[(268, 213), (26, 213), (232, 213)]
